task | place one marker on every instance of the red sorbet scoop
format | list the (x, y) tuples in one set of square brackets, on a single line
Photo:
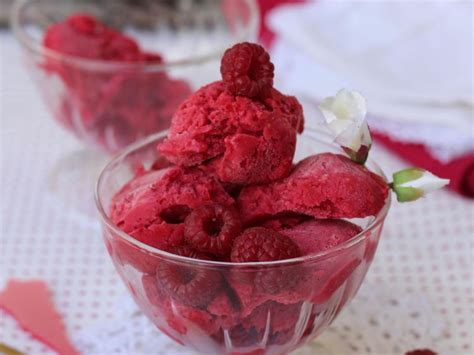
[(322, 186), (111, 106), (253, 141), (318, 235)]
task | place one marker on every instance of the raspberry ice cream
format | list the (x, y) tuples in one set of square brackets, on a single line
[(251, 141), (153, 206), (81, 35), (161, 200), (315, 236), (229, 191), (108, 106), (322, 186)]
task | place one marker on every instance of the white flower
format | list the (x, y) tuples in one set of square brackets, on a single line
[(345, 116), (413, 183)]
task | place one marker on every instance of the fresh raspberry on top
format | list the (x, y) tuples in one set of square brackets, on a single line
[(261, 244), (190, 285), (247, 70), (212, 228)]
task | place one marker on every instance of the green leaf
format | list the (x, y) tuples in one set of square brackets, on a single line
[(406, 175), (407, 194)]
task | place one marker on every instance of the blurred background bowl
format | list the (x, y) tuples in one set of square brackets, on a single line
[(110, 104)]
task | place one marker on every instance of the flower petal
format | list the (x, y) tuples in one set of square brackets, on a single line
[(345, 117), (412, 183), (426, 182)]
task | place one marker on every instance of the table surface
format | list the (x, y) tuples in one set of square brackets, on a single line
[(426, 250)]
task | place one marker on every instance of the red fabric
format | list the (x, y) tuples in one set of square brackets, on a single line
[(266, 36), (460, 170)]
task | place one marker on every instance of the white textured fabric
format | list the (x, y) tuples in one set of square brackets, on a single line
[(381, 322), (397, 324), (413, 60), (416, 51), (425, 252), (129, 333)]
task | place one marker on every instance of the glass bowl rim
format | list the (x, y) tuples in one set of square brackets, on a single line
[(36, 47), (379, 218)]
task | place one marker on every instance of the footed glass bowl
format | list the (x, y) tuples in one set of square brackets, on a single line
[(110, 104), (225, 308)]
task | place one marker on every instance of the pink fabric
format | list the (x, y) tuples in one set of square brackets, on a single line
[(31, 304)]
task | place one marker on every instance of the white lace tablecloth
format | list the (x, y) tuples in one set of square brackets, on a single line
[(418, 293)]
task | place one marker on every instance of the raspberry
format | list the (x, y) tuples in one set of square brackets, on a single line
[(246, 70), (261, 244), (161, 307), (187, 251), (150, 57), (175, 214), (421, 352), (212, 228), (192, 286)]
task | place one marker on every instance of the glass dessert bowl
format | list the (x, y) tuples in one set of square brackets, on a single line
[(101, 91), (230, 308)]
